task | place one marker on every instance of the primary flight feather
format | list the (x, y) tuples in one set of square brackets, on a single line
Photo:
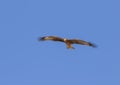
[(68, 42)]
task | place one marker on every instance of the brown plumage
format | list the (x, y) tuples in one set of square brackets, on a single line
[(68, 42)]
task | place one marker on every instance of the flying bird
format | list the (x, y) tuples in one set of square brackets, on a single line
[(68, 42)]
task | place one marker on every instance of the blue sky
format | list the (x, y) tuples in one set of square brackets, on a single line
[(26, 61)]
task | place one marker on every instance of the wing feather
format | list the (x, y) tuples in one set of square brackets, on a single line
[(54, 38), (82, 42)]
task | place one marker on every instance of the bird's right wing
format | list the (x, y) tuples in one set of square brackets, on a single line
[(54, 38)]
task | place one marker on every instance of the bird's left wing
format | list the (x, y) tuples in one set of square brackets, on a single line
[(82, 42)]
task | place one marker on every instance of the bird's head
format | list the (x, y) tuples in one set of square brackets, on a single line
[(65, 39)]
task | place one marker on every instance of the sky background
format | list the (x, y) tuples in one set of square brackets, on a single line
[(26, 61)]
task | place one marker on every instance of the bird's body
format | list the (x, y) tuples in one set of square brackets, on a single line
[(68, 42)]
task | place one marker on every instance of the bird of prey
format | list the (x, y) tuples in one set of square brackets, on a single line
[(68, 42)]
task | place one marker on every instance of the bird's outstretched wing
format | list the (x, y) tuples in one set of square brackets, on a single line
[(82, 42), (54, 38)]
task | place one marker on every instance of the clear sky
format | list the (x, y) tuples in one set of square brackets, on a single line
[(26, 61)]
